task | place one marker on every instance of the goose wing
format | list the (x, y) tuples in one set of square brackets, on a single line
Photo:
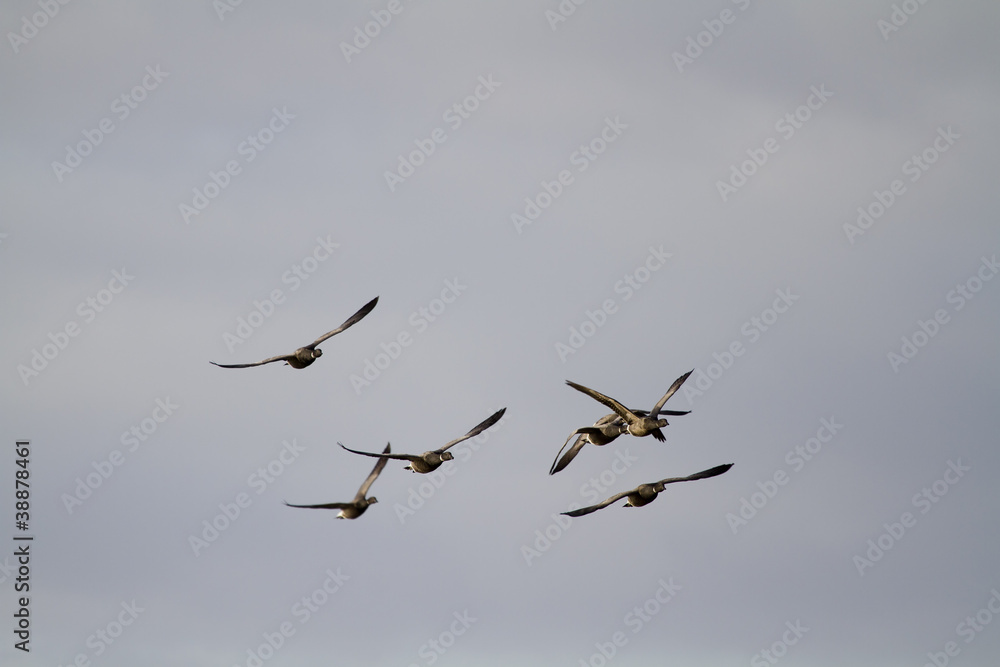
[(571, 453), (324, 506), (670, 392), (670, 413), (613, 418), (383, 455), (610, 419), (619, 409), (599, 506), (477, 429), (363, 491), (704, 474), (283, 357), (351, 321)]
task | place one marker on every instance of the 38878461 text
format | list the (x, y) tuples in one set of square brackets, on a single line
[(22, 542)]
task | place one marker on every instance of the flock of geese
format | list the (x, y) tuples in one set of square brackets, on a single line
[(637, 423)]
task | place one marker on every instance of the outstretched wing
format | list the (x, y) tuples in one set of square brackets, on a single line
[(670, 392), (284, 357), (613, 418), (383, 455), (351, 321), (704, 474), (599, 506), (619, 409), (363, 491), (324, 506), (711, 472), (609, 419), (571, 453), (477, 429)]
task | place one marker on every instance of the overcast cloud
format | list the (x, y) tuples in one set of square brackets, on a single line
[(792, 199)]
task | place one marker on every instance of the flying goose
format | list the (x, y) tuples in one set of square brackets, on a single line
[(356, 507), (636, 424), (605, 430), (646, 493), (304, 356), (431, 460)]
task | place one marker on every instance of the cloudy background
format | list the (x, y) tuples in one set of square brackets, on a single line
[(483, 543)]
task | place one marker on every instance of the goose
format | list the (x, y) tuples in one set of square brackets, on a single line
[(636, 424), (304, 356), (646, 493), (356, 507), (432, 460), (605, 430)]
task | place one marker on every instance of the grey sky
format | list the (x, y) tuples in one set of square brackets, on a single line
[(636, 267)]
